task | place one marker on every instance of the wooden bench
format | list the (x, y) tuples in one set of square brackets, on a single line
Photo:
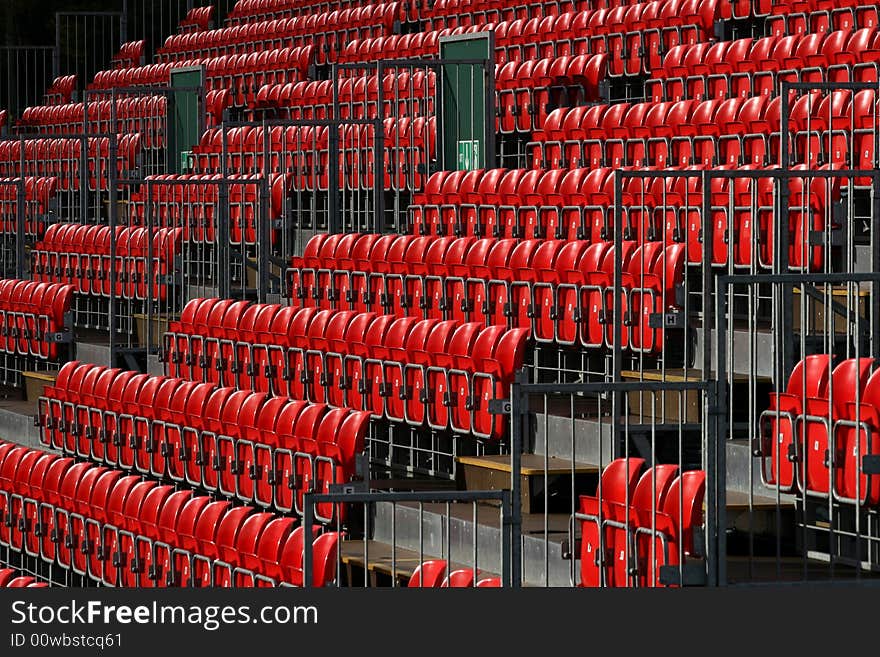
[(493, 473), (36, 382), (384, 564)]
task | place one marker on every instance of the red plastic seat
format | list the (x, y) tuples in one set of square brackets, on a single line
[(428, 574), (780, 431)]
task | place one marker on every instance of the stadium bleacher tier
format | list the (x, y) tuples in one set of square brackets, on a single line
[(198, 476)]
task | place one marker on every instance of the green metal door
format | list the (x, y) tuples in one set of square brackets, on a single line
[(186, 114), (468, 97)]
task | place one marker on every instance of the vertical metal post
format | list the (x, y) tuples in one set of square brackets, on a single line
[(56, 55), (308, 521), (221, 238), (148, 212), (708, 244), (519, 413), (506, 539), (489, 125), (378, 155), (262, 236), (781, 228), (123, 23), (334, 219), (875, 266), (379, 176), (440, 114), (617, 314), (114, 221), (19, 228), (722, 289), (84, 176)]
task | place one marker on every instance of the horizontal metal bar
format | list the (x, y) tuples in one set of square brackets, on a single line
[(292, 123), (212, 181), (808, 86), (144, 91), (71, 135), (427, 497), (623, 386), (797, 279), (88, 13), (420, 63), (736, 173), (27, 48)]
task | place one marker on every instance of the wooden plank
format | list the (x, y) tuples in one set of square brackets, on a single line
[(531, 464), (380, 560), (738, 500), (674, 375), (837, 291), (50, 375)]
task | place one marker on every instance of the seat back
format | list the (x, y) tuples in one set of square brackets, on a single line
[(428, 574)]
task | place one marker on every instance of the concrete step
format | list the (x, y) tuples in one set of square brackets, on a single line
[(431, 531), (94, 352), (17, 423), (554, 435), (155, 365)]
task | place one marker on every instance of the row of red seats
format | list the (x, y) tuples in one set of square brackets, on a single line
[(80, 255), (579, 204), (130, 55), (141, 114), (443, 374), (325, 32), (251, 11), (731, 132), (197, 19), (636, 524), (528, 91), (634, 45), (633, 36), (62, 158), (61, 90), (241, 74), (10, 579), (558, 291), (69, 120), (121, 531), (404, 93), (39, 200), (452, 13), (752, 9), (432, 574), (817, 433), (191, 202), (414, 45), (244, 74), (240, 444), (409, 151), (31, 313), (802, 16), (751, 67)]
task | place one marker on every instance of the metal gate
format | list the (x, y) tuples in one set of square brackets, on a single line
[(600, 520), (85, 41), (472, 532), (27, 71), (797, 353)]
